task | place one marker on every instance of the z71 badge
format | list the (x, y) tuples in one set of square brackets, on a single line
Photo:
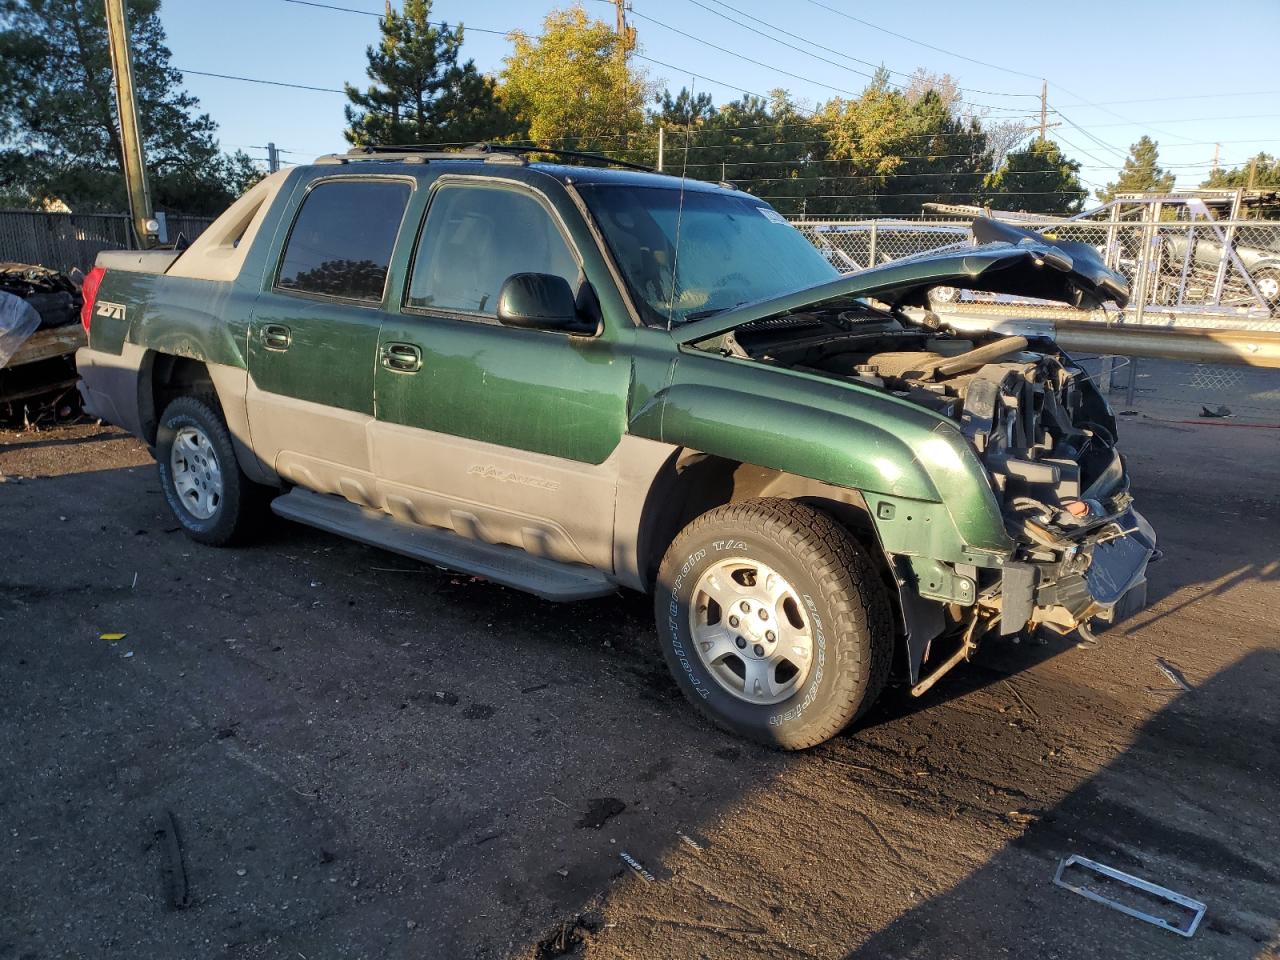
[(104, 308)]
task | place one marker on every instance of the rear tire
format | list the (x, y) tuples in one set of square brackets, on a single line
[(742, 568), (203, 484)]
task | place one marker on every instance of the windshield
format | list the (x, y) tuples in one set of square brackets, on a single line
[(732, 249)]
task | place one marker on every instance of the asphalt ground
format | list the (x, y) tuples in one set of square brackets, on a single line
[(309, 748)]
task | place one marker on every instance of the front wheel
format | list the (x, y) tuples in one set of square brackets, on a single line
[(202, 482), (1267, 280), (774, 622)]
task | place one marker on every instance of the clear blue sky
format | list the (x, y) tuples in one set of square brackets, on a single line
[(1187, 73)]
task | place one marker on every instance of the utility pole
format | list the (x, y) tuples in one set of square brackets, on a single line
[(273, 158), (622, 20), (135, 168), (662, 141), (1216, 148), (1044, 107)]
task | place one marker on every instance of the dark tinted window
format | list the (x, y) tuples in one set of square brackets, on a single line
[(341, 242), (476, 237)]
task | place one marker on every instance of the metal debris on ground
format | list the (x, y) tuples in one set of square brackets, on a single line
[(1216, 413), (637, 866), (173, 867), (1173, 673), (1155, 891), (689, 841)]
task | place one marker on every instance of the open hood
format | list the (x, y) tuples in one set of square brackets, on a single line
[(1010, 260)]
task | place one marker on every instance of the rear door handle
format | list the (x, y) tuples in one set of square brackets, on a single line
[(402, 357), (276, 336)]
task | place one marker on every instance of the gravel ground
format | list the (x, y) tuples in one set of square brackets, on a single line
[(361, 756)]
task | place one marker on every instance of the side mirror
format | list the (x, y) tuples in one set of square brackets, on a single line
[(540, 301)]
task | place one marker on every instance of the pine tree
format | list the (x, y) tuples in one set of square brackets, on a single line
[(58, 131), (1050, 181), (420, 93), (1141, 172)]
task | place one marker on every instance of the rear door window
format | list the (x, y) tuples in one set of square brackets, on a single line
[(342, 239), (475, 238)]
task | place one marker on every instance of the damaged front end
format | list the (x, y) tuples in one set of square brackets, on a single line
[(1037, 423), (1048, 441)]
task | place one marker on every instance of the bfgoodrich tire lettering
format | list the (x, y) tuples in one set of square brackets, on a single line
[(239, 502), (845, 613)]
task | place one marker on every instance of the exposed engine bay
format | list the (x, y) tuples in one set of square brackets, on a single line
[(1039, 425)]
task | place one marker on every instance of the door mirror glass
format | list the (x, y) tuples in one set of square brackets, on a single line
[(540, 301)]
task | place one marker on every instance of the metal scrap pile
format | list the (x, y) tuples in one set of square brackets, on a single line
[(39, 334)]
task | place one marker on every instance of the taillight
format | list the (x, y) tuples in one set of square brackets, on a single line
[(89, 290)]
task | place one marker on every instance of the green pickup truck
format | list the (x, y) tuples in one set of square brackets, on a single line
[(572, 377)]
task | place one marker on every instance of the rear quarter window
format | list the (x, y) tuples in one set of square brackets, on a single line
[(341, 241)]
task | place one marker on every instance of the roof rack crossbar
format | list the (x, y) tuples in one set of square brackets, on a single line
[(478, 151)]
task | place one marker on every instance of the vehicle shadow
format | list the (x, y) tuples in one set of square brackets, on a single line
[(1223, 731)]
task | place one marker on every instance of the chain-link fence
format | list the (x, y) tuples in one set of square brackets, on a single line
[(65, 241), (1182, 271)]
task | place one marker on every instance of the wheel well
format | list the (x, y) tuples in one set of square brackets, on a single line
[(693, 483), (164, 379)]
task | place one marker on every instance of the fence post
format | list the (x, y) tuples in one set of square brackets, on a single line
[(871, 253), (1143, 276), (1220, 280)]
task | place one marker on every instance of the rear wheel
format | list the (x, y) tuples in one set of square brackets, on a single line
[(774, 622), (202, 482)]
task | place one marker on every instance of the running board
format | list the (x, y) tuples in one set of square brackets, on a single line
[(509, 566)]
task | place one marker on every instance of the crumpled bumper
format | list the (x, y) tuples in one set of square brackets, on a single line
[(1104, 579)]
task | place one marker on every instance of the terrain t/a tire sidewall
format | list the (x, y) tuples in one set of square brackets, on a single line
[(224, 526), (842, 597)]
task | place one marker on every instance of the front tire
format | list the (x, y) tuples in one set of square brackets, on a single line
[(773, 621), (203, 484)]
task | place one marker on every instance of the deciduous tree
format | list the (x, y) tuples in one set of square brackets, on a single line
[(575, 84)]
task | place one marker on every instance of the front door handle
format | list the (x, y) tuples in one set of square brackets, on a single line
[(402, 357), (276, 336)]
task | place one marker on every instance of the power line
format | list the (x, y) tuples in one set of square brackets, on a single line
[(1185, 96), (743, 57), (921, 43), (370, 13), (821, 46), (270, 83)]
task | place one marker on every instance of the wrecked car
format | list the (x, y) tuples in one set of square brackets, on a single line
[(570, 378)]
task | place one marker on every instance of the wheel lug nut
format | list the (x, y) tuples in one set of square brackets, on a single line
[(770, 636), (741, 643), (759, 650), (764, 614), (733, 621), (746, 607)]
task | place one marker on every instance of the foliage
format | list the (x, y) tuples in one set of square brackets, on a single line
[(59, 138), (420, 93), (574, 85), (1260, 173), (1141, 172), (1050, 181)]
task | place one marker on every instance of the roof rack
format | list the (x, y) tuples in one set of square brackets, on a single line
[(486, 152)]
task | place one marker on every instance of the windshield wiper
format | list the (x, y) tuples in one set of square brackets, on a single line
[(703, 314)]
